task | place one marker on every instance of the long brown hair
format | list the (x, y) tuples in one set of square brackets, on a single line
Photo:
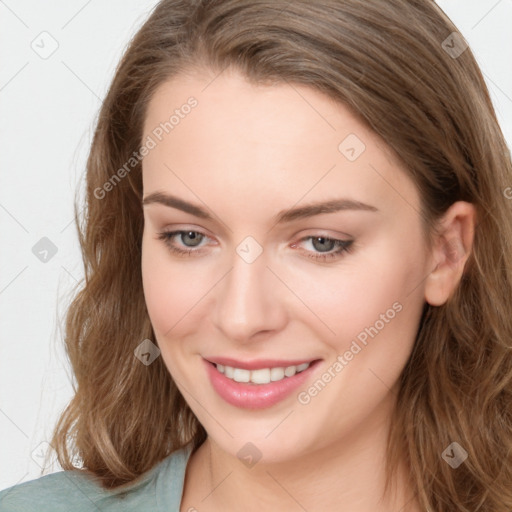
[(390, 62)]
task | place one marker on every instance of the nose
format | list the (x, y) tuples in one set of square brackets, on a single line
[(250, 302)]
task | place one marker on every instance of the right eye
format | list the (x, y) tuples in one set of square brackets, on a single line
[(194, 237)]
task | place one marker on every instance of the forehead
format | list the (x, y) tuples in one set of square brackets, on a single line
[(287, 141)]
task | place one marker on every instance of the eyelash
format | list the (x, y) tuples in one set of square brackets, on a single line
[(344, 246)]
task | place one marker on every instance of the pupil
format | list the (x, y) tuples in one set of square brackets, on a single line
[(193, 236), (322, 241)]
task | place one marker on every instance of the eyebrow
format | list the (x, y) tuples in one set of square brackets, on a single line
[(283, 216)]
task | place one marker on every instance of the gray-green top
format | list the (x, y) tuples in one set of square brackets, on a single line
[(158, 490)]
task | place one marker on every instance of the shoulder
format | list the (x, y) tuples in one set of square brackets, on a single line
[(51, 492), (158, 489)]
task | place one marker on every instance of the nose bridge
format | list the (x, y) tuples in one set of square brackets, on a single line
[(248, 303)]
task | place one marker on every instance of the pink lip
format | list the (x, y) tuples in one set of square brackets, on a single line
[(256, 396)]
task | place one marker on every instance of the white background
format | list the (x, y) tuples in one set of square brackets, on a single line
[(48, 108)]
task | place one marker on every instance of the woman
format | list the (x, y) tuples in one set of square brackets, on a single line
[(298, 270)]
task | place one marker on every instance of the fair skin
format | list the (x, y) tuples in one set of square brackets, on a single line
[(245, 153)]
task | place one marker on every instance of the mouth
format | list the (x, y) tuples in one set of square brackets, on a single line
[(261, 375), (258, 384)]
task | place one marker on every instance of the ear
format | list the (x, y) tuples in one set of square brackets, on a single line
[(451, 248)]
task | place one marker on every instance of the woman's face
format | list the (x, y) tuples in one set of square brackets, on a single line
[(268, 280)]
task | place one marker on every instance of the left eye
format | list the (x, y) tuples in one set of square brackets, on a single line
[(326, 254), (325, 245), (322, 243)]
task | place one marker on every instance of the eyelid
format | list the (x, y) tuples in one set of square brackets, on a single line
[(187, 227), (327, 233)]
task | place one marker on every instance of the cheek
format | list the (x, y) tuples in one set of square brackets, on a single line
[(173, 290), (369, 295), (164, 287)]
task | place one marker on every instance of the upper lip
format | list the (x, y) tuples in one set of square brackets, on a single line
[(256, 364)]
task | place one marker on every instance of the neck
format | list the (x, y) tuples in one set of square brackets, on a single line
[(348, 475)]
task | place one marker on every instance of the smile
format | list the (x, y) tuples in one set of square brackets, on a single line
[(262, 375), (260, 384)]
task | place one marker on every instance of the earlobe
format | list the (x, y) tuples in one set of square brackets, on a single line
[(451, 249)]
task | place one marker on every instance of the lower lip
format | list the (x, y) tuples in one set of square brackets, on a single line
[(255, 396)]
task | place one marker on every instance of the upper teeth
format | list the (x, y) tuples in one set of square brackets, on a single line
[(261, 376)]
